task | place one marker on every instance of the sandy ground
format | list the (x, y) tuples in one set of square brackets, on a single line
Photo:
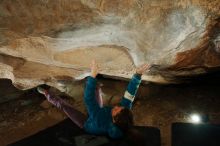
[(155, 105)]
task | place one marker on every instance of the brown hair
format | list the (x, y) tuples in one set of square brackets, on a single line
[(124, 119)]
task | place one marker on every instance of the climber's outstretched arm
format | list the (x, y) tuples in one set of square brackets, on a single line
[(89, 92), (132, 87)]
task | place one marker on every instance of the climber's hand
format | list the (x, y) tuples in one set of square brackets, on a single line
[(141, 69), (94, 68)]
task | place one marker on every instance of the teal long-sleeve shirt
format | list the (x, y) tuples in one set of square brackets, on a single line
[(100, 118)]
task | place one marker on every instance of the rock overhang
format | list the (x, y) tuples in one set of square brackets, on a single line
[(48, 42)]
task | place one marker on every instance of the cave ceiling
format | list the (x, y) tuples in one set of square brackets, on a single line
[(53, 41)]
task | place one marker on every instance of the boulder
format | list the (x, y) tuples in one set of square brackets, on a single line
[(53, 42)]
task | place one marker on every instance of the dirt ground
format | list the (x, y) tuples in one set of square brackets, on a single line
[(155, 105)]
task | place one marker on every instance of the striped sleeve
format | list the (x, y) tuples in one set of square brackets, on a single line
[(131, 91)]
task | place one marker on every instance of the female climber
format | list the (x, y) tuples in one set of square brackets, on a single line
[(101, 120)]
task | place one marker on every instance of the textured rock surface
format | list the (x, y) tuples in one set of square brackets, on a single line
[(53, 41)]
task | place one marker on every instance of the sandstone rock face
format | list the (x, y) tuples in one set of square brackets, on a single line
[(53, 41)]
